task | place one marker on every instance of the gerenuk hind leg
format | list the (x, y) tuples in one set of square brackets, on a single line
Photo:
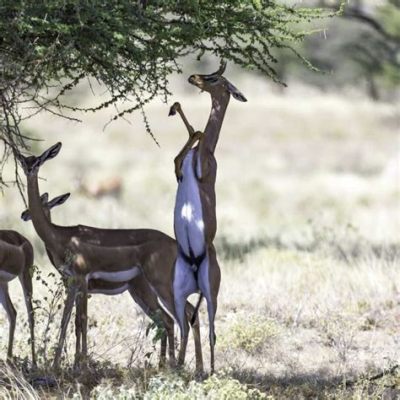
[(78, 333), (184, 285), (209, 279), (152, 309), (69, 302), (26, 283), (11, 314), (191, 315)]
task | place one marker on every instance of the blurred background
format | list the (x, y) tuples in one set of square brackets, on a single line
[(311, 168)]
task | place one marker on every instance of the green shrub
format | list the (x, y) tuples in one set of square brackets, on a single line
[(224, 387), (219, 386), (164, 387), (108, 392), (249, 334)]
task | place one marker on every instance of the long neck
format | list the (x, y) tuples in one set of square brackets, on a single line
[(42, 224), (219, 103)]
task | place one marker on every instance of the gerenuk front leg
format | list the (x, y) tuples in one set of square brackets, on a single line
[(182, 154), (176, 108)]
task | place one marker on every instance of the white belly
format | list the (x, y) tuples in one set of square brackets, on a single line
[(116, 276), (188, 214), (110, 292)]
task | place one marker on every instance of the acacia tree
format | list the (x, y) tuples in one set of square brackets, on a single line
[(130, 47)]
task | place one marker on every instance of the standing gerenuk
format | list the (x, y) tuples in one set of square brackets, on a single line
[(195, 221)]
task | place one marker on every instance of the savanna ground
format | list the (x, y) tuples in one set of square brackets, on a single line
[(308, 242)]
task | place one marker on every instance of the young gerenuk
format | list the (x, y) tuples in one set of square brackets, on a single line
[(107, 261)]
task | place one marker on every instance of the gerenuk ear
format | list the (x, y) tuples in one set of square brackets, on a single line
[(57, 201), (48, 154), (26, 215), (235, 92), (44, 198)]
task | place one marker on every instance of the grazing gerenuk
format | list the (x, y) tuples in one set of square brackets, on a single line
[(138, 288), (16, 259), (195, 221), (104, 261)]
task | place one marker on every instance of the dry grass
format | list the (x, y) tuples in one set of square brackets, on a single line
[(308, 206)]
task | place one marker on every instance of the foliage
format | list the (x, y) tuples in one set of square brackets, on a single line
[(130, 47), (220, 386), (46, 311), (107, 392), (389, 15), (156, 326)]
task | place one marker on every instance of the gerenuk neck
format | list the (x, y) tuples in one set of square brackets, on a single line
[(41, 223), (219, 104)]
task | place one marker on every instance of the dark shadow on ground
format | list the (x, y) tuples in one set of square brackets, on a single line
[(343, 249), (320, 385)]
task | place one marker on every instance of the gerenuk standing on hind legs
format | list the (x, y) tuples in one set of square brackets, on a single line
[(195, 221)]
